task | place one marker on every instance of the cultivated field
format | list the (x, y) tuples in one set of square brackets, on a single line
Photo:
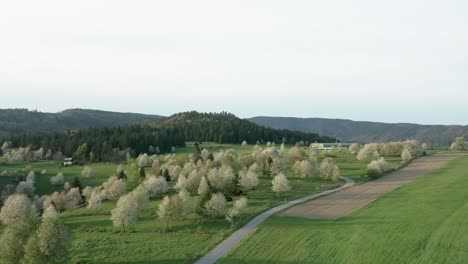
[(423, 222)]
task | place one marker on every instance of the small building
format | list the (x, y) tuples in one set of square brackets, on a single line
[(68, 161)]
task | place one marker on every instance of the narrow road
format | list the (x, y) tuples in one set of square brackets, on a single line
[(342, 203), (230, 242)]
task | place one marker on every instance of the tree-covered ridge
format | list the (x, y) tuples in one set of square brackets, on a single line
[(18, 121), (113, 143), (227, 128), (103, 144)]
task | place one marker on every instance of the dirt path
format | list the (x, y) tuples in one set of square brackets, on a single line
[(344, 202)]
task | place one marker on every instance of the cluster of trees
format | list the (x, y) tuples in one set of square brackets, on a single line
[(373, 153), (459, 144), (102, 144), (32, 231), (211, 185)]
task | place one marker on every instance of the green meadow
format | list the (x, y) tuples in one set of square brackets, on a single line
[(423, 222), (96, 241)]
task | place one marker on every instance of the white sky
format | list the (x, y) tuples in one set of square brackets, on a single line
[(391, 61)]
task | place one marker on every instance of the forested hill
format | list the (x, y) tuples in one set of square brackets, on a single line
[(113, 143), (18, 121), (363, 132), (227, 128)]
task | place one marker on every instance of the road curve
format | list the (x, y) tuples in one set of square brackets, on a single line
[(224, 247)]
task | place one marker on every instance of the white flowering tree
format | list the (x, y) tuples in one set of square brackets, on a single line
[(16, 207), (57, 180), (377, 167), (126, 212), (181, 183), (238, 208), (406, 156), (95, 199), (169, 209), (12, 240), (459, 144), (354, 149), (280, 184), (87, 172), (216, 206), (49, 244), (156, 185), (72, 198), (329, 169), (248, 180), (369, 152)]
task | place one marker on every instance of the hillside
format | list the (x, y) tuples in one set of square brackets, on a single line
[(359, 131), (16, 121), (227, 128)]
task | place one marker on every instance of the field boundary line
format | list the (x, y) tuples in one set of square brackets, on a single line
[(229, 243)]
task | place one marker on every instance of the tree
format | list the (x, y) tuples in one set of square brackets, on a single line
[(121, 172), (368, 152), (57, 180), (142, 173), (26, 187), (354, 148), (329, 169), (94, 201), (181, 183), (50, 213), (49, 245), (377, 167), (156, 185), (168, 210), (406, 156), (304, 169), (248, 180), (72, 198), (87, 172), (458, 144), (280, 184), (17, 206), (87, 191), (187, 203), (81, 152), (237, 209), (204, 188), (12, 241), (77, 183), (114, 188), (125, 212), (141, 196), (216, 206)]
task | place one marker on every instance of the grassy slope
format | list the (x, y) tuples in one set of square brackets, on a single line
[(423, 222), (96, 241)]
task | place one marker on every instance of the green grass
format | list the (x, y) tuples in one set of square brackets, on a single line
[(423, 222), (96, 241)]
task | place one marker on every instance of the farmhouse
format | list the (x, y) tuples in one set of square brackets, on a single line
[(68, 161)]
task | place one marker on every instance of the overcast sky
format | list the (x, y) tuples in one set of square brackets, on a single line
[(390, 61)]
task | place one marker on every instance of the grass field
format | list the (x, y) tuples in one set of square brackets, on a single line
[(423, 222), (96, 241)]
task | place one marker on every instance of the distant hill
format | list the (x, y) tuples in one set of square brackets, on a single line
[(19, 121), (227, 128), (363, 132)]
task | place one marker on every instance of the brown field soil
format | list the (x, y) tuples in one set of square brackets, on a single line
[(344, 202)]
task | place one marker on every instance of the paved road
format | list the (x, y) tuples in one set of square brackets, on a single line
[(347, 201), (229, 243)]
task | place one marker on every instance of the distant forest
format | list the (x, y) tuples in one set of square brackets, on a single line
[(112, 143)]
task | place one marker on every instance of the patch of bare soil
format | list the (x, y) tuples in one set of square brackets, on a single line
[(344, 202)]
